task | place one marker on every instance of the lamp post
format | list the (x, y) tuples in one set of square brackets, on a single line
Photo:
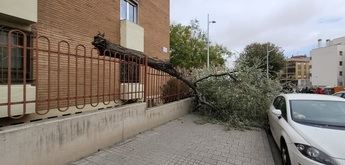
[(208, 39), (268, 53)]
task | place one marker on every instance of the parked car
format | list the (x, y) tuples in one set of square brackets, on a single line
[(329, 90), (340, 94), (309, 129)]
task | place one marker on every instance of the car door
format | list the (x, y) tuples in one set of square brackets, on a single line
[(282, 123), (273, 118)]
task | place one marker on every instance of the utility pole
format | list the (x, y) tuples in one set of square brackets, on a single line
[(208, 40), (267, 55)]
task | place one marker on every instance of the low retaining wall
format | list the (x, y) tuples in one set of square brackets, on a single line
[(60, 141)]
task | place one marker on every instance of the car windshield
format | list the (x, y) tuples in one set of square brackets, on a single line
[(318, 112)]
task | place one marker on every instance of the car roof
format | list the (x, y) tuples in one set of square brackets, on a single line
[(312, 97)]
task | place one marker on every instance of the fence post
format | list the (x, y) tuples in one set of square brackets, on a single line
[(145, 80)]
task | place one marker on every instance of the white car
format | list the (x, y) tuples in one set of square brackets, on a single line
[(309, 129)]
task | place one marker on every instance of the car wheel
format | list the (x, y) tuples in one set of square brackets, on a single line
[(285, 154)]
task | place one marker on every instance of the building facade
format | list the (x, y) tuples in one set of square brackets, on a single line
[(328, 63), (297, 71), (60, 58)]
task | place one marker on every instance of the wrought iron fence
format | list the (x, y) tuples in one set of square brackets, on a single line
[(162, 88), (50, 74)]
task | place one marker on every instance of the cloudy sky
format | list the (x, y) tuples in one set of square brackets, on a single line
[(295, 25)]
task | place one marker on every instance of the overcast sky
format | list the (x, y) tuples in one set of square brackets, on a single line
[(295, 25)]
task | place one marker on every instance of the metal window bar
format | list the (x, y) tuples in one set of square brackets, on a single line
[(17, 51)]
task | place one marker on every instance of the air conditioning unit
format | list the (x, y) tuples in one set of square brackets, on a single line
[(131, 91)]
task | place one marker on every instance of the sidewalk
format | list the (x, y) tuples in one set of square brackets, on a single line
[(183, 142)]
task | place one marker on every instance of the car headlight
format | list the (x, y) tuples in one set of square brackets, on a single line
[(315, 154)]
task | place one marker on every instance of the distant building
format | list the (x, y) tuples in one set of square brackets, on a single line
[(297, 71), (328, 63)]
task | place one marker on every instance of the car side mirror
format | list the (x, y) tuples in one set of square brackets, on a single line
[(277, 112)]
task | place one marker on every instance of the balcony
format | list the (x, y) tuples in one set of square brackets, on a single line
[(132, 35), (22, 12)]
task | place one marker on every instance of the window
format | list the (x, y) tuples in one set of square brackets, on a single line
[(130, 72), (340, 73), (129, 10), (340, 53), (276, 102), (282, 107), (340, 63), (17, 57), (319, 112)]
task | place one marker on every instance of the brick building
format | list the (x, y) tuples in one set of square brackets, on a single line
[(66, 63), (297, 71)]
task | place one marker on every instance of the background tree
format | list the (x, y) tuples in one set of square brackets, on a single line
[(188, 46), (258, 52)]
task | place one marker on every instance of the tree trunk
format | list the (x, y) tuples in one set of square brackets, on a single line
[(114, 50)]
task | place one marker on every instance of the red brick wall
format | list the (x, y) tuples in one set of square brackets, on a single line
[(155, 18), (77, 22), (80, 20)]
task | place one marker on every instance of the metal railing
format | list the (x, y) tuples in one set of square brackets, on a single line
[(162, 88), (67, 75)]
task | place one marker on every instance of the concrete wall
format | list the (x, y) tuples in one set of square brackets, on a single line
[(24, 11), (60, 141), (340, 40), (325, 63)]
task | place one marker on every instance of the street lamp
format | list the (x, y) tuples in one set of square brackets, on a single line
[(208, 39), (268, 53)]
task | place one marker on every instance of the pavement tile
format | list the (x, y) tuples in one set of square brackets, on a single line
[(182, 142)]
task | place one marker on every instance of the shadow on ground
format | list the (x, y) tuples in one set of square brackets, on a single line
[(274, 149)]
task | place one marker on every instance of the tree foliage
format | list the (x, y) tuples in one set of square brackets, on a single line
[(240, 103), (240, 100), (257, 52), (188, 46)]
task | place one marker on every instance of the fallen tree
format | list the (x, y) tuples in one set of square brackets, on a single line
[(107, 48), (241, 103), (238, 99)]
